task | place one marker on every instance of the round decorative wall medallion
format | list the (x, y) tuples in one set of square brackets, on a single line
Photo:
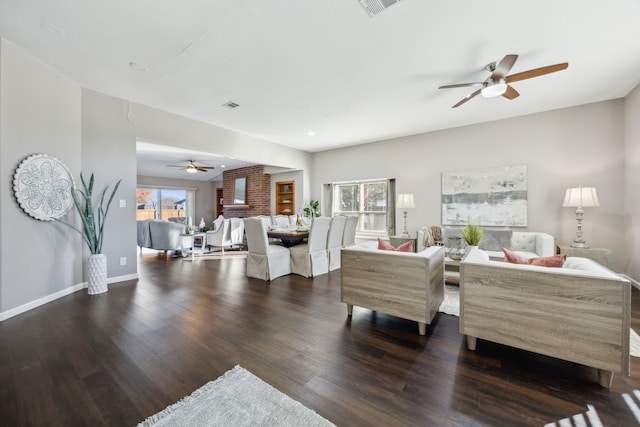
[(42, 186)]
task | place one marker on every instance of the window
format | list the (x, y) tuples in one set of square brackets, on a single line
[(163, 203), (369, 201)]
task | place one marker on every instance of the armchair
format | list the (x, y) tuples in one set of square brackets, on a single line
[(404, 284), (220, 237)]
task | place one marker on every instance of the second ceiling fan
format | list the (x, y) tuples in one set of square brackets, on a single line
[(191, 167), (497, 84)]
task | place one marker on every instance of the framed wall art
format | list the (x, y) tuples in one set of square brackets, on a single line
[(487, 197)]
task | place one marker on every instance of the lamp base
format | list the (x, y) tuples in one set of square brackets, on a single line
[(404, 233)]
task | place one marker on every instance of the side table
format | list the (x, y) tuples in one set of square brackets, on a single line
[(600, 255), (452, 271), (188, 241), (398, 240)]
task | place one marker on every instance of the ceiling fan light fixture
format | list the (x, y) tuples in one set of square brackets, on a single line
[(191, 169), (492, 88)]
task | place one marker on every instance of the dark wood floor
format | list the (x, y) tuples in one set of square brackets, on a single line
[(117, 358)]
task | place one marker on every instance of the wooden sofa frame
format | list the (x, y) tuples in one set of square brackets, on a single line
[(575, 315), (402, 284)]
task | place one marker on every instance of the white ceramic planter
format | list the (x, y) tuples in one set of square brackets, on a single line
[(97, 274)]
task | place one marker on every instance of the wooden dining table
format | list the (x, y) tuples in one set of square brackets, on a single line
[(288, 237)]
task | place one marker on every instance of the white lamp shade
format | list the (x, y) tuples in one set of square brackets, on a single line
[(581, 197), (405, 201)]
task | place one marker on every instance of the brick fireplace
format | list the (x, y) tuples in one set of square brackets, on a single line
[(258, 192)]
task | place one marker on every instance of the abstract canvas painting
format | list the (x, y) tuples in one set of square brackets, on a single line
[(488, 197)]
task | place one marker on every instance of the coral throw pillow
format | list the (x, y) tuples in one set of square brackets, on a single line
[(514, 258), (386, 246), (549, 261)]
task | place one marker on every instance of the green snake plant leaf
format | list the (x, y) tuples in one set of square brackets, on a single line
[(92, 225)]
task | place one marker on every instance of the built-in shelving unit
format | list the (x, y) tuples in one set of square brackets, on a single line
[(219, 201), (286, 198)]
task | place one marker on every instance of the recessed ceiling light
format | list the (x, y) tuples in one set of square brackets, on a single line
[(223, 166), (137, 67), (311, 133)]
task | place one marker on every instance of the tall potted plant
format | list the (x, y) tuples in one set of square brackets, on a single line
[(93, 231)]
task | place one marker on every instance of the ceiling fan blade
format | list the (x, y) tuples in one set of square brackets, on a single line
[(176, 166), (461, 85), (466, 98), (536, 72), (504, 66), (201, 169), (511, 93)]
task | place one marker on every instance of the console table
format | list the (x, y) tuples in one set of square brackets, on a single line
[(600, 255)]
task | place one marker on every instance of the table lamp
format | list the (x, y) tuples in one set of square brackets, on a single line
[(580, 197), (405, 202)]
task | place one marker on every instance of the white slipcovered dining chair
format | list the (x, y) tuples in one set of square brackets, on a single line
[(349, 236), (236, 231), (282, 221), (310, 259), (264, 261), (334, 241)]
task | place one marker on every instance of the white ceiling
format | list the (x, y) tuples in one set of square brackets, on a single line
[(296, 66)]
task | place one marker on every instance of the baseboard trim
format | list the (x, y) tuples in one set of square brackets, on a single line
[(54, 296)]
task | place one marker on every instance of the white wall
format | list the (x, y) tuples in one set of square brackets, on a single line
[(204, 196), (39, 113), (109, 152), (582, 145), (632, 178)]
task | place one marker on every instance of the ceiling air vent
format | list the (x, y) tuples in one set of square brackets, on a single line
[(374, 7), (231, 105)]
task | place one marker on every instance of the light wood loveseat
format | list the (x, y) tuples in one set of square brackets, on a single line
[(579, 313)]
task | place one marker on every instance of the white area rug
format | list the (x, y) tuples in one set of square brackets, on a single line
[(237, 398), (216, 256), (451, 302), (451, 305)]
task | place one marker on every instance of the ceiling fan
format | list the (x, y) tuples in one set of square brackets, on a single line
[(191, 167), (497, 84)]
